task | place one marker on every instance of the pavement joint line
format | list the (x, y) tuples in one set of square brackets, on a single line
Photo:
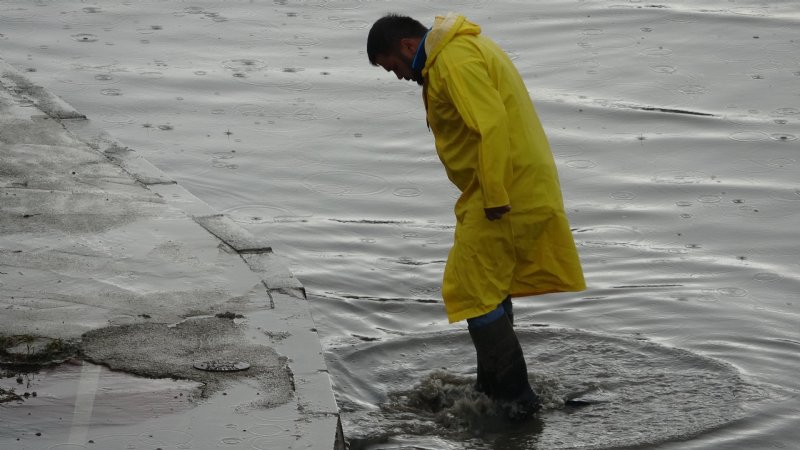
[(131, 162), (269, 295)]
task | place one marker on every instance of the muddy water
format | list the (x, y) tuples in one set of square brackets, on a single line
[(674, 126)]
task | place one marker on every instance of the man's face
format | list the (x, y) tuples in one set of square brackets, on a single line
[(397, 63), (400, 62)]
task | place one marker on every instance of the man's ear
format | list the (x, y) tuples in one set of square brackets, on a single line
[(408, 46)]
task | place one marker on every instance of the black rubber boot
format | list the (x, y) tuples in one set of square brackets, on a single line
[(502, 372), (481, 384)]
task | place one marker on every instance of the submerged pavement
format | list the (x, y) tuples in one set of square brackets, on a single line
[(133, 315)]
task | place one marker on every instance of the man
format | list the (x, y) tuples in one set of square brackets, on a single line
[(512, 235)]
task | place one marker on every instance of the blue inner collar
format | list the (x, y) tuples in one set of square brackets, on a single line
[(419, 58)]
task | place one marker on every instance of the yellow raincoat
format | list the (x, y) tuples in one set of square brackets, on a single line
[(494, 150)]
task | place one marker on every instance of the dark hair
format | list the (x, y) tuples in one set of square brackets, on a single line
[(386, 32)]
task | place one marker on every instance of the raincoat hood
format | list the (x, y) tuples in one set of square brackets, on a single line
[(444, 29)]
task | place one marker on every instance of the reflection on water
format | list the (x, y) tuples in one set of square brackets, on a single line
[(674, 127)]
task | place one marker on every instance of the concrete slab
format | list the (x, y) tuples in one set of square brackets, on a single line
[(106, 261), (233, 234), (28, 92)]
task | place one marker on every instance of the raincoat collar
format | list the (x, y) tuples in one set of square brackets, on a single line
[(421, 56)]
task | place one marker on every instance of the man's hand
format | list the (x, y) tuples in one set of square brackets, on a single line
[(496, 213)]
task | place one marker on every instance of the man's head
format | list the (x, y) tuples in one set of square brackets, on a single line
[(392, 44)]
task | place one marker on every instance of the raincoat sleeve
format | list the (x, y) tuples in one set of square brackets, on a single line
[(478, 101)]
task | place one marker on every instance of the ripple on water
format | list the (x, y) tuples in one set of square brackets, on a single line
[(302, 41), (749, 136), (250, 110), (693, 89), (682, 18), (274, 80), (349, 24), (709, 199), (767, 277), (166, 437), (294, 85), (122, 319), (117, 117), (90, 16), (592, 31), (409, 191), (783, 137), (151, 74), (681, 177), (750, 11), (267, 430), (395, 307), (663, 68), (342, 4), (256, 214), (658, 52), (244, 65), (792, 194), (473, 3), (85, 37), (786, 112), (733, 292), (780, 163), (760, 211), (622, 195), (581, 164), (345, 183), (615, 41), (282, 116), (626, 383), (95, 64), (606, 238), (105, 78)]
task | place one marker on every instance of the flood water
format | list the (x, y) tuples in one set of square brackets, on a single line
[(674, 126)]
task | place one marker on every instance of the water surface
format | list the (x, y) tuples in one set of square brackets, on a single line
[(674, 127)]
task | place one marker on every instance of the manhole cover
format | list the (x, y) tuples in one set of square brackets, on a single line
[(222, 366)]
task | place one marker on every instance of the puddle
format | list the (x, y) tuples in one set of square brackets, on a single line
[(64, 399), (629, 386), (146, 395)]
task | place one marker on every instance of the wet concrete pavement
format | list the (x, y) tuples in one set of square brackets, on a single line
[(116, 284)]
